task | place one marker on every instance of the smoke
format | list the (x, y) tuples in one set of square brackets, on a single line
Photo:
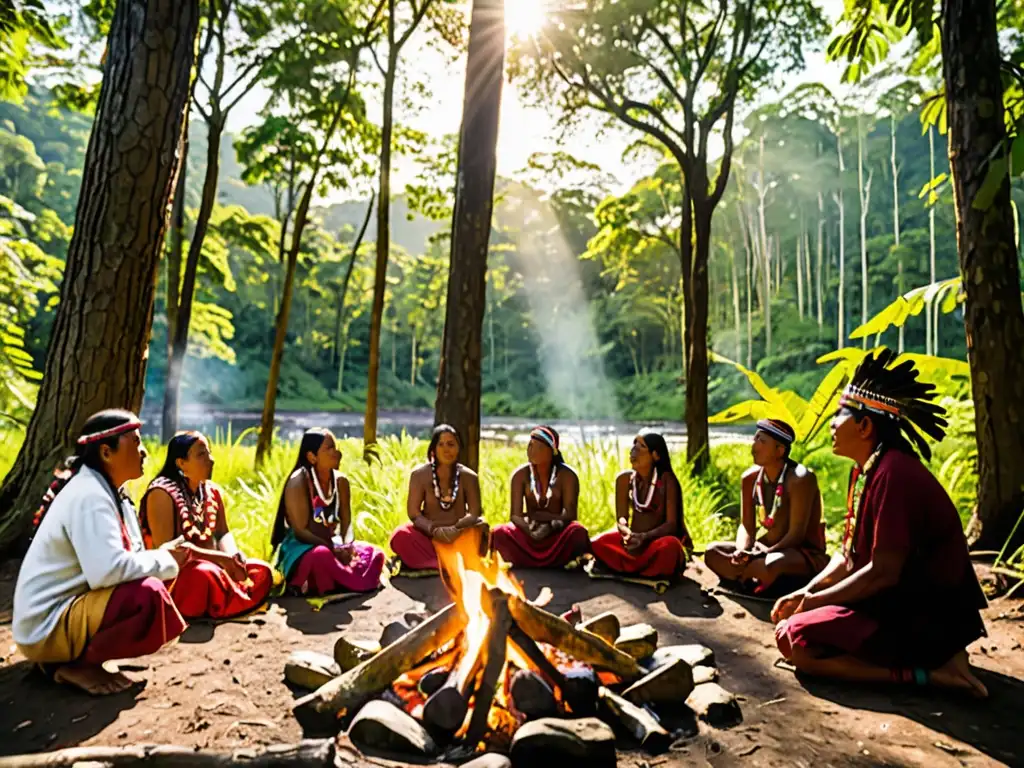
[(569, 352)]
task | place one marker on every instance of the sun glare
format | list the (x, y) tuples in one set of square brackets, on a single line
[(523, 17)]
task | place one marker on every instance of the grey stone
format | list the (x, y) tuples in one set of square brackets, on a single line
[(670, 683), (715, 706), (703, 674), (638, 640), (352, 653), (541, 741), (309, 669), (694, 655), (532, 696), (604, 625), (580, 691), (383, 727), (433, 680)]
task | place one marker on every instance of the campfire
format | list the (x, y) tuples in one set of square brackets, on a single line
[(488, 670)]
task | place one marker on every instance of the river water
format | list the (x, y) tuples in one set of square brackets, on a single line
[(505, 429)]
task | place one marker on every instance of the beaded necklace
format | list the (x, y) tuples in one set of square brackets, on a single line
[(325, 507), (762, 510), (446, 502), (649, 501), (858, 481), (535, 490), (196, 511)]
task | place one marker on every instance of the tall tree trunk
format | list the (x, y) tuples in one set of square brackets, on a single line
[(343, 291), (458, 385), (747, 236), (800, 269), (737, 322), (412, 358), (177, 243), (864, 193), (383, 241), (762, 192), (172, 390), (697, 438), (932, 343), (993, 316), (894, 166), (97, 353), (818, 287), (341, 358)]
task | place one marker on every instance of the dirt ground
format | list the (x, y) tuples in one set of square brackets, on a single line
[(222, 687)]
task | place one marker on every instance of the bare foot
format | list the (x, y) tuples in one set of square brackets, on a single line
[(956, 673), (93, 679)]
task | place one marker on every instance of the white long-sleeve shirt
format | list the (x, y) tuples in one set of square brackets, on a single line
[(78, 548)]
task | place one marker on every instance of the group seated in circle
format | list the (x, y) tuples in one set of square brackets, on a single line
[(899, 603)]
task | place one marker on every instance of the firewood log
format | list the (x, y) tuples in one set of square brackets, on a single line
[(544, 627), (319, 711)]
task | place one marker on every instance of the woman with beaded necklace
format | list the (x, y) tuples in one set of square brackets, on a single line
[(650, 539), (443, 506), (315, 505), (543, 532), (183, 502)]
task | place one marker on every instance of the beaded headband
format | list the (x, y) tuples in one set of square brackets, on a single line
[(546, 436), (120, 429), (861, 399), (780, 430)]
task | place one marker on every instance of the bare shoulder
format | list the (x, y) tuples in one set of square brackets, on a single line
[(343, 483), (467, 472), (804, 477), (296, 479), (521, 470), (623, 478), (750, 476), (421, 473), (566, 471)]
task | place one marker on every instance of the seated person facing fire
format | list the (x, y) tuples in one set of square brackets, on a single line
[(902, 601), (315, 506), (546, 533), (650, 539), (88, 592), (443, 506), (782, 497)]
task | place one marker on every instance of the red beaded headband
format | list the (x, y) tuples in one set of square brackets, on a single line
[(120, 429)]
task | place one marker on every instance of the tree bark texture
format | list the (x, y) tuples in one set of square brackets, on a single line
[(993, 315), (177, 244), (183, 316), (458, 385), (383, 246), (98, 349)]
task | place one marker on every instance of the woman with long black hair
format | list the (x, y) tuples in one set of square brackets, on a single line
[(88, 591), (183, 501), (543, 531), (650, 539), (443, 506), (313, 526)]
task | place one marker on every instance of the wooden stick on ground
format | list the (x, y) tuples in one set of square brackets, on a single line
[(544, 627), (319, 711), (319, 752), (529, 649)]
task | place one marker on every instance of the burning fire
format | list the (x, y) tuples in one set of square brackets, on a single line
[(477, 586)]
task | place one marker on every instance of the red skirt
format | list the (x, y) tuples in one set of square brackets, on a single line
[(559, 549), (139, 619), (414, 548), (204, 589), (662, 558)]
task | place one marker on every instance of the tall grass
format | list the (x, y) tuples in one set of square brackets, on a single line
[(379, 490)]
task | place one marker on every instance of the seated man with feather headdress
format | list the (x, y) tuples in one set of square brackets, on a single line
[(901, 603)]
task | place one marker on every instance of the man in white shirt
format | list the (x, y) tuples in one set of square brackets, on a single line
[(88, 591)]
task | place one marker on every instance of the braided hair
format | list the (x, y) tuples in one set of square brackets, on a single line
[(899, 405), (102, 428)]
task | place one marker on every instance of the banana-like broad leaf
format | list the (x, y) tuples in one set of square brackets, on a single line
[(823, 402), (782, 404), (911, 304), (748, 410)]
